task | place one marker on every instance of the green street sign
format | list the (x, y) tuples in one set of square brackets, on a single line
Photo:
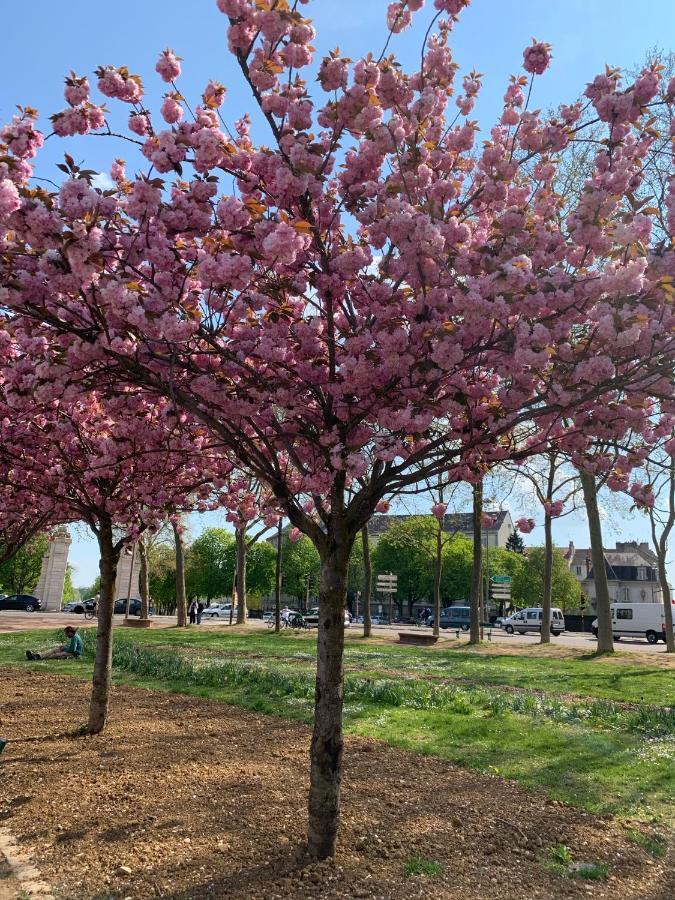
[(501, 579)]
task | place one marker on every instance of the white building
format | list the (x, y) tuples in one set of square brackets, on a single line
[(631, 572)]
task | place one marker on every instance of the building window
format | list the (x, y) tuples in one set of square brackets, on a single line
[(642, 573), (626, 595), (577, 570)]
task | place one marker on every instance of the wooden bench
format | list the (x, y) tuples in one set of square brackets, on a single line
[(420, 638)]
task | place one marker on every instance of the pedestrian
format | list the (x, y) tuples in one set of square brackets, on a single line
[(285, 613), (200, 612), (192, 612), (70, 650)]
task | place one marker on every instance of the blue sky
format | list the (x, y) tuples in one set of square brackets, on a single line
[(43, 40)]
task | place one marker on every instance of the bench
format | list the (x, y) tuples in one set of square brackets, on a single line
[(420, 638), (137, 622)]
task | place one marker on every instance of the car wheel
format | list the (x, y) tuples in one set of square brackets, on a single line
[(595, 632), (652, 637), (465, 627), (616, 637), (555, 633), (29, 607), (509, 629)]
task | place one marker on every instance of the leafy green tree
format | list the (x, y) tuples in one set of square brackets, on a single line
[(87, 592), (515, 543), (260, 568), (299, 561), (162, 577), (70, 592), (456, 575), (209, 564), (407, 550), (21, 573), (528, 583)]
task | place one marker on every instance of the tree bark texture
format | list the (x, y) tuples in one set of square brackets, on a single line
[(277, 581), (326, 747), (144, 578), (240, 537), (438, 571), (548, 578), (181, 604), (367, 581), (477, 567), (98, 705), (590, 491), (667, 601)]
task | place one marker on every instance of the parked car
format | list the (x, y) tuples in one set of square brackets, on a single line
[(312, 617), (134, 607), (530, 620), (221, 611), (499, 621), (453, 617), (379, 620), (79, 606), (268, 616), (646, 620), (25, 602)]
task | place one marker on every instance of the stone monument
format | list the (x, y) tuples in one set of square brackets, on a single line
[(53, 575), (123, 571)]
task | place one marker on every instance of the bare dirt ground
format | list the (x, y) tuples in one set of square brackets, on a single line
[(184, 798)]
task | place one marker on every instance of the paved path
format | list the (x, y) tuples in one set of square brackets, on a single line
[(20, 621)]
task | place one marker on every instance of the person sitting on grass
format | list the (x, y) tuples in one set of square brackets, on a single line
[(71, 650)]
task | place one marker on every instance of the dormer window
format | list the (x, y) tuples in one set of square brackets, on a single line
[(642, 573)]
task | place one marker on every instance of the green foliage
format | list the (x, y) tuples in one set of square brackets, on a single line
[(209, 564), (162, 577), (515, 543), (528, 584), (87, 592), (70, 592), (21, 573), (407, 550), (261, 561), (299, 561), (591, 871), (418, 865)]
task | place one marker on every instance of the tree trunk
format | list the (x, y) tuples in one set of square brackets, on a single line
[(240, 536), (590, 491), (98, 705), (326, 748), (548, 577), (144, 576), (181, 604), (277, 582), (477, 567), (367, 581), (438, 571), (667, 601)]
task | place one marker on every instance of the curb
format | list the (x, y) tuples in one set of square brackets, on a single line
[(22, 868)]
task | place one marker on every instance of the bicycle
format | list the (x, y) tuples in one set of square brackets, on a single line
[(91, 613)]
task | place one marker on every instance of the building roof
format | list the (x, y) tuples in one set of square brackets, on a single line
[(626, 553), (460, 523)]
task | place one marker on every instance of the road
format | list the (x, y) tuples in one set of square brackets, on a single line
[(20, 621)]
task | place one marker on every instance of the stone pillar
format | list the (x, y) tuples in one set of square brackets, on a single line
[(53, 575), (123, 569)]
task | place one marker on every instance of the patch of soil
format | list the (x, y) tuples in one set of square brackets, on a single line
[(186, 798)]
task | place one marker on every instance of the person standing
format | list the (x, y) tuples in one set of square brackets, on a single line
[(192, 612), (200, 612)]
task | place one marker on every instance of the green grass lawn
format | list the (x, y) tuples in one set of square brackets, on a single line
[(457, 704)]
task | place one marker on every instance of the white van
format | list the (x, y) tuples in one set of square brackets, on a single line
[(530, 620), (646, 620)]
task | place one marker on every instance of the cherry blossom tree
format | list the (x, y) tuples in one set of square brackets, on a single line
[(374, 301), (116, 465)]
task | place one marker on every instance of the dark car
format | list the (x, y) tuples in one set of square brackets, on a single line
[(454, 617), (134, 607), (26, 602)]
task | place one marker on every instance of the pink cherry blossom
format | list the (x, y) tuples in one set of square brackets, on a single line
[(168, 65), (536, 57), (525, 525)]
